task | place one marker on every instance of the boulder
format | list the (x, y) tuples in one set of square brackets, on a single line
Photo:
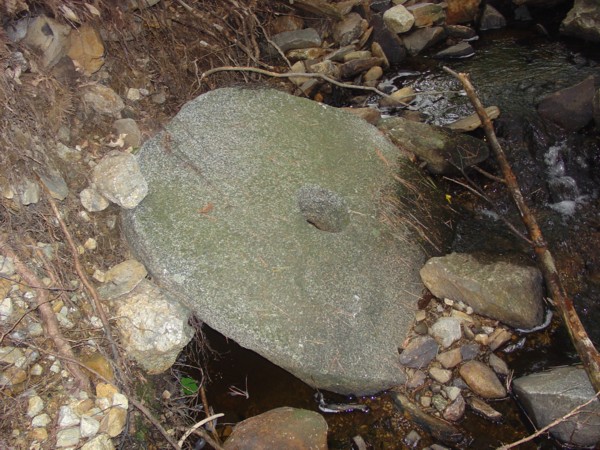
[(503, 291), (274, 219), (583, 21), (445, 151), (570, 108), (547, 396), (289, 428)]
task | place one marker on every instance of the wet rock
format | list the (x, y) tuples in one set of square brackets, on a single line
[(92, 200), (458, 51), (451, 358), (422, 38), (68, 437), (153, 327), (118, 178), (582, 21), (569, 108), (289, 428), (291, 40), (131, 130), (349, 29), (443, 150), (419, 352), (461, 11), (357, 66), (398, 19), (49, 37), (498, 338), (491, 19), (460, 32), (482, 380), (547, 396), (100, 442), (498, 365), (388, 41), (455, 410), (103, 100), (440, 375), (473, 122), (500, 290), (446, 331), (86, 49), (426, 14), (483, 409)]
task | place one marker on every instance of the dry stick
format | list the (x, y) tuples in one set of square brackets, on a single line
[(584, 346), (211, 427), (550, 425), (198, 425), (49, 319)]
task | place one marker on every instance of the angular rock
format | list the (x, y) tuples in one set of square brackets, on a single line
[(349, 29), (291, 40), (473, 122), (498, 365), (356, 66), (131, 130), (118, 178), (67, 417), (446, 331), (500, 290), (583, 21), (482, 380), (7, 266), (326, 67), (458, 51), (289, 428), (303, 54), (417, 379), (426, 14), (286, 22), (68, 437), (444, 151), (455, 410), (461, 11), (570, 108), (223, 228), (422, 38), (54, 182), (153, 328), (88, 427), (100, 442), (451, 358), (398, 19), (103, 100), (92, 200), (419, 352), (389, 42), (35, 406), (491, 19), (547, 396), (49, 37), (86, 49), (483, 409), (113, 422), (440, 375)]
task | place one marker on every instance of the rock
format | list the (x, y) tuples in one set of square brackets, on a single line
[(503, 291), (398, 19), (455, 410), (103, 100), (440, 375), (67, 417), (461, 11), (128, 127), (291, 40), (402, 96), (547, 396), (482, 380), (29, 192), (442, 149), (88, 427), (460, 32), (35, 405), (569, 108), (498, 338), (303, 54), (92, 200), (118, 178), (422, 38), (373, 74), (113, 423), (419, 353), (7, 266), (378, 52), (439, 402), (357, 54), (326, 67), (68, 437), (122, 279), (41, 421), (452, 392), (483, 409), (12, 376), (100, 442), (426, 14), (473, 122), (446, 331), (491, 19), (241, 242), (451, 358), (498, 365), (389, 42), (49, 38), (86, 49), (349, 29), (416, 380), (100, 365), (339, 54), (356, 66), (583, 21), (440, 429), (289, 428), (287, 22), (54, 182), (458, 51), (153, 327), (412, 439)]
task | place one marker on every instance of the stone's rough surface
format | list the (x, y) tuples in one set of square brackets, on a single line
[(482, 408), (49, 37), (131, 130), (92, 200), (570, 108), (446, 330), (500, 290), (550, 395), (349, 29), (422, 38), (100, 442), (458, 51), (122, 279), (289, 428), (86, 49), (69, 437), (426, 14), (482, 380), (222, 227), (419, 352), (291, 40), (443, 150), (118, 178), (103, 100), (398, 19), (583, 21), (153, 328)]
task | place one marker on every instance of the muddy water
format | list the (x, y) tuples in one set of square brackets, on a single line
[(510, 70)]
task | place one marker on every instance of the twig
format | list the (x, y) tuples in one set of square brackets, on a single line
[(207, 411), (541, 431), (579, 337), (198, 425)]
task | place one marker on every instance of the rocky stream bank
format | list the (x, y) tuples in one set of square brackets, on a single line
[(347, 225)]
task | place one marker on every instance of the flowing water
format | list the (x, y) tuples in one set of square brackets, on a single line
[(560, 179)]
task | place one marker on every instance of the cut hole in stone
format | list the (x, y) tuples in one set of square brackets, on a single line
[(322, 208)]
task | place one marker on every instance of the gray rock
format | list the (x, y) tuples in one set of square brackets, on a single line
[(458, 51), (483, 409), (100, 442), (440, 375), (569, 108), (455, 410), (49, 37), (29, 192), (582, 21), (491, 19), (153, 328), (412, 439), (223, 228), (35, 405), (118, 178), (419, 352), (67, 417), (354, 67), (426, 14), (422, 38), (7, 266), (349, 29), (416, 380), (280, 428), (446, 331), (550, 395), (55, 183), (500, 290), (291, 40), (131, 130), (103, 100), (482, 380), (498, 365), (122, 279), (69, 437), (398, 19), (444, 151), (92, 200)]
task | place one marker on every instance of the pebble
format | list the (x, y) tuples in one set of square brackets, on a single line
[(88, 427), (425, 401), (35, 405), (469, 351), (498, 365), (452, 392), (412, 438), (7, 267), (67, 417), (439, 402), (456, 410), (416, 380), (451, 358), (68, 437), (446, 331), (100, 442), (440, 375), (498, 338), (419, 352), (36, 370), (482, 380), (483, 409), (114, 422), (6, 309), (41, 421)]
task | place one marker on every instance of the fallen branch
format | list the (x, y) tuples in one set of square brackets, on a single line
[(198, 425), (584, 346)]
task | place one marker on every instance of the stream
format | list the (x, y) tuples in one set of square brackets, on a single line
[(560, 179)]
